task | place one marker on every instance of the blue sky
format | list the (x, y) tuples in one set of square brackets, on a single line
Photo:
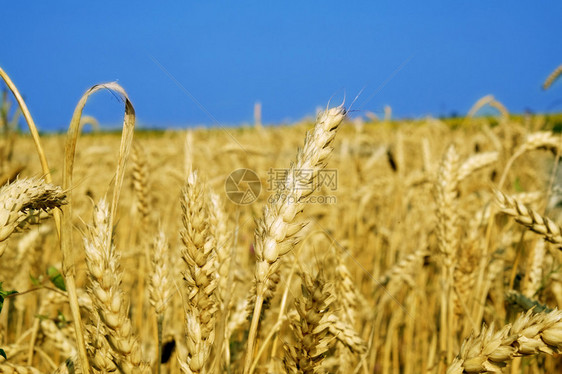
[(420, 57)]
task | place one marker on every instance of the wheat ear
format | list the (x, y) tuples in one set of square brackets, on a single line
[(218, 223), (108, 297), (533, 274), (277, 232), (530, 334), (346, 291), (474, 163), (8, 368), (447, 240), (69, 366), (311, 328), (17, 199), (160, 285), (199, 255), (140, 183), (63, 344), (549, 230)]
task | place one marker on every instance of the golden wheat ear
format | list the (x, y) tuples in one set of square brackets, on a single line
[(7, 367), (200, 275), (530, 334), (529, 218), (18, 200), (312, 326), (109, 299)]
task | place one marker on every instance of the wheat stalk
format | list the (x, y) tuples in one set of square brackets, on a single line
[(500, 107), (277, 232), (479, 104), (552, 78), (536, 140), (66, 241), (34, 132)]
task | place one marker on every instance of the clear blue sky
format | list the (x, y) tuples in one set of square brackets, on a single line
[(293, 56)]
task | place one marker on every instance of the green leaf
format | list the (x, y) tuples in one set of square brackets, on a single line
[(56, 278), (4, 294), (517, 185), (3, 354), (35, 281)]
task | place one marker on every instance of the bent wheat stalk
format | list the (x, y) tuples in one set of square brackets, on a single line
[(537, 140), (32, 130), (66, 244), (552, 77)]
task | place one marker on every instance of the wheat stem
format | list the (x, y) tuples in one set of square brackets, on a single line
[(276, 232)]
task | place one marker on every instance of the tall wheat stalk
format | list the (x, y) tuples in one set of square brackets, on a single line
[(66, 244), (277, 231)]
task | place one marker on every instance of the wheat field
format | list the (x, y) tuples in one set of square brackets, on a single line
[(373, 246)]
